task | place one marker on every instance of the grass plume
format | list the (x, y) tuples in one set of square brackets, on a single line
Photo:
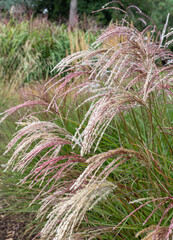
[(116, 131)]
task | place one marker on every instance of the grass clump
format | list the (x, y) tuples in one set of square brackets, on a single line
[(30, 49), (104, 160)]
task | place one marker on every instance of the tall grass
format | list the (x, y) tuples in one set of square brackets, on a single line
[(30, 49), (104, 160)]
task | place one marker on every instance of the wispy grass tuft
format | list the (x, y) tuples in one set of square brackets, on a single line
[(111, 108)]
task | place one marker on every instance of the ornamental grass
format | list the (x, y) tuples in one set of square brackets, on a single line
[(99, 146)]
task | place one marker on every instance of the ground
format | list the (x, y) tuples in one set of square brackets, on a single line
[(13, 227)]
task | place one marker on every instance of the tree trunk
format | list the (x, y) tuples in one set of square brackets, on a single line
[(73, 19)]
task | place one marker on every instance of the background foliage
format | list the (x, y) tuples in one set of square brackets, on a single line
[(59, 10)]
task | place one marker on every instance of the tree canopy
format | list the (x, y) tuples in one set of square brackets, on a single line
[(58, 10)]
